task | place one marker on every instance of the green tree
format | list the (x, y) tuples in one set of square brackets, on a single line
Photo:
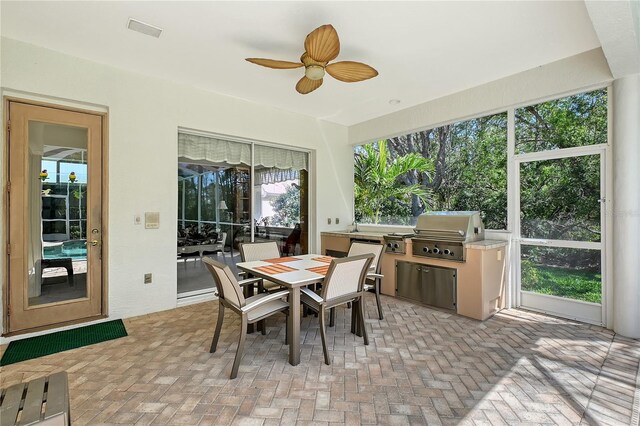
[(379, 188), (287, 208)]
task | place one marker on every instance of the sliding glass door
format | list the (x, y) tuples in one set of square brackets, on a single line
[(230, 192)]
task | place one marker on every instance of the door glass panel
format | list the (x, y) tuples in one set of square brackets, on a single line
[(235, 205), (560, 199), (281, 200), (564, 272), (57, 216), (214, 204)]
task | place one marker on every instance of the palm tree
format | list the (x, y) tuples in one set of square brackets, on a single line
[(378, 179)]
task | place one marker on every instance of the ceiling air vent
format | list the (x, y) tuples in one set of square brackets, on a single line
[(143, 28)]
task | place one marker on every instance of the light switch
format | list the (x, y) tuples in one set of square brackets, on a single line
[(328, 221), (152, 220), (499, 254), (337, 221), (137, 219)]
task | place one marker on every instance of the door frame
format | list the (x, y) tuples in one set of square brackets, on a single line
[(4, 179), (574, 309)]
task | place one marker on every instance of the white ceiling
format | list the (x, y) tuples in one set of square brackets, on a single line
[(423, 50)]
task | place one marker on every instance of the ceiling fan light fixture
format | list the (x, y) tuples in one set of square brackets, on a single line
[(314, 72)]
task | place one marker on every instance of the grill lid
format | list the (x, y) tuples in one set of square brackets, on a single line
[(450, 226)]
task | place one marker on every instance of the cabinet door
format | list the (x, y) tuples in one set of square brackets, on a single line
[(438, 287), (408, 280)]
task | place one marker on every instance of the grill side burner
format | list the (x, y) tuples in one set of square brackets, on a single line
[(442, 235), (396, 242)]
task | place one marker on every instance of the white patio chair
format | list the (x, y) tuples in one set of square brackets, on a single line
[(342, 284), (250, 310), (250, 252), (373, 276)]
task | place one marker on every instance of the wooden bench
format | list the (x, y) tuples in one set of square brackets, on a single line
[(43, 401)]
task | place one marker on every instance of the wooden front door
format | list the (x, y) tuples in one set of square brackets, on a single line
[(55, 216)]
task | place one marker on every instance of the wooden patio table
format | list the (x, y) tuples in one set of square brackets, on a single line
[(291, 272)]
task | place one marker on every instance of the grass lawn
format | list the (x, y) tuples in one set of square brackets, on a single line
[(563, 282)]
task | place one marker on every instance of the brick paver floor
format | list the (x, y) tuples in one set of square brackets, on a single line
[(421, 366)]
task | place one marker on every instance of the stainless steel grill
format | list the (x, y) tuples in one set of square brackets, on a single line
[(442, 235)]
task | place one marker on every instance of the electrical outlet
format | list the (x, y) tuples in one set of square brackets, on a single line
[(328, 221), (499, 255), (147, 278), (337, 221)]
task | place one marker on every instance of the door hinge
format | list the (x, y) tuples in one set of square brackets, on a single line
[(8, 125), (8, 310), (9, 186), (8, 249)]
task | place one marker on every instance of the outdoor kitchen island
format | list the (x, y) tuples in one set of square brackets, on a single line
[(480, 289)]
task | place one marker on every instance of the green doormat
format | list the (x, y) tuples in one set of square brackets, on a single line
[(34, 347)]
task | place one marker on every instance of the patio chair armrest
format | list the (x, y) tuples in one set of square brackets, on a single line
[(249, 281), (265, 299), (312, 294), (242, 274), (372, 275)]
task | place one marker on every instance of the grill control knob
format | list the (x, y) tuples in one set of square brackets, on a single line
[(389, 245), (396, 245), (452, 254), (425, 249), (446, 251), (436, 250)]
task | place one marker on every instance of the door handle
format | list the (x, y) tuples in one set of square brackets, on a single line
[(94, 243)]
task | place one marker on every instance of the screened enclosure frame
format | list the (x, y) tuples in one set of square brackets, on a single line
[(513, 267), (603, 150)]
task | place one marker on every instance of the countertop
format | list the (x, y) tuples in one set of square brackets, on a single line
[(477, 245), (355, 235), (486, 244)]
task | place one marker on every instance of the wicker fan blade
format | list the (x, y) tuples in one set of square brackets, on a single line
[(350, 72), (306, 85), (322, 44), (272, 63)]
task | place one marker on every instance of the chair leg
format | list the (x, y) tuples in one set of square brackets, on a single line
[(363, 329), (377, 286), (354, 320), (323, 335), (216, 335), (332, 317), (286, 330), (243, 336)]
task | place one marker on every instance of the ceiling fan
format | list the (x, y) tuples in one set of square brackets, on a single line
[(321, 46)]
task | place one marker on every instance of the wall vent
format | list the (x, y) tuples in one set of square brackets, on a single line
[(143, 28)]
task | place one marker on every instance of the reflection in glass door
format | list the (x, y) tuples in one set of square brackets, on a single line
[(230, 192), (561, 232), (55, 216)]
